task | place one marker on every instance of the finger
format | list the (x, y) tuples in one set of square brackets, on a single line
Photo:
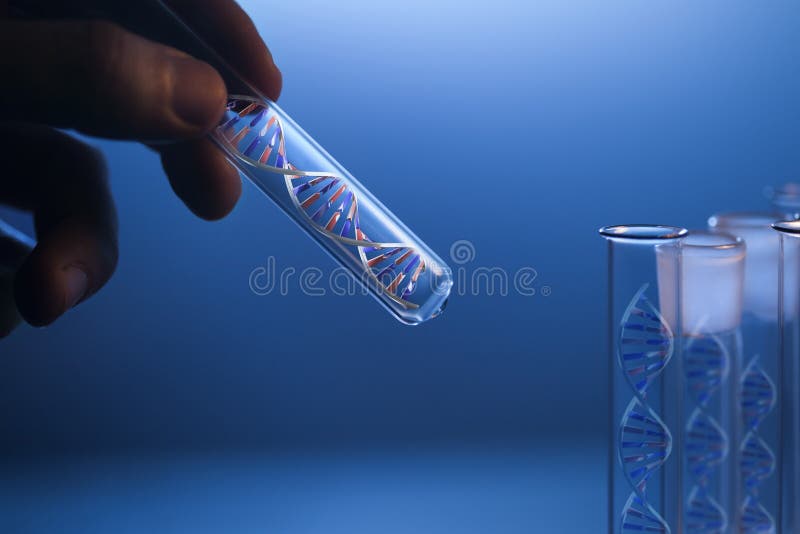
[(225, 26), (9, 316), (70, 263), (222, 24), (74, 216), (14, 248), (232, 34), (100, 79), (201, 177)]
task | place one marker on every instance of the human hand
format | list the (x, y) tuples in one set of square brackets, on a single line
[(101, 79)]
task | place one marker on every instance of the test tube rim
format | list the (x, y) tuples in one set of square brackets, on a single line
[(744, 219), (789, 227), (729, 242), (643, 233)]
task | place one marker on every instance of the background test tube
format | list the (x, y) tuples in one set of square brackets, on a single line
[(785, 198), (760, 447), (712, 283), (789, 232), (645, 413)]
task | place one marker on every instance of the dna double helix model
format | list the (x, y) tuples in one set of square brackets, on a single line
[(759, 396), (707, 365), (644, 442), (256, 135)]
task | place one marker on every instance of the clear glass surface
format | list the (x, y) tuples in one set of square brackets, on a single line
[(786, 199), (359, 232), (789, 232), (645, 413), (712, 293), (760, 446)]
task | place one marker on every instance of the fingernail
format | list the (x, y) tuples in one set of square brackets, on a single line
[(199, 93), (77, 282)]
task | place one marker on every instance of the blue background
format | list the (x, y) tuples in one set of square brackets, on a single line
[(519, 126)]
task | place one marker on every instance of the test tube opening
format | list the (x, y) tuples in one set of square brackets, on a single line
[(642, 233)]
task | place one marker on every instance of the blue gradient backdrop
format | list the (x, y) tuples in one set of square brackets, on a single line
[(520, 126)]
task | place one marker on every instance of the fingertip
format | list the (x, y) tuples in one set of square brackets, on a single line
[(38, 294), (276, 86), (231, 32), (202, 178), (220, 207), (68, 265), (264, 73), (199, 93)]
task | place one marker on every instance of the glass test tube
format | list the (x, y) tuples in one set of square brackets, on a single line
[(282, 160), (760, 446), (711, 295), (645, 377), (790, 390), (362, 235), (325, 200), (786, 199)]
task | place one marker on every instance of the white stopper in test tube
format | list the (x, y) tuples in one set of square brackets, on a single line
[(712, 278), (761, 263)]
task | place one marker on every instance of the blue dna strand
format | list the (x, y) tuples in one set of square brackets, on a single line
[(256, 135), (644, 441), (707, 365), (757, 460)]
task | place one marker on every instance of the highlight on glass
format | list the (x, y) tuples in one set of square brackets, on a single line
[(339, 213), (789, 232), (645, 456)]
